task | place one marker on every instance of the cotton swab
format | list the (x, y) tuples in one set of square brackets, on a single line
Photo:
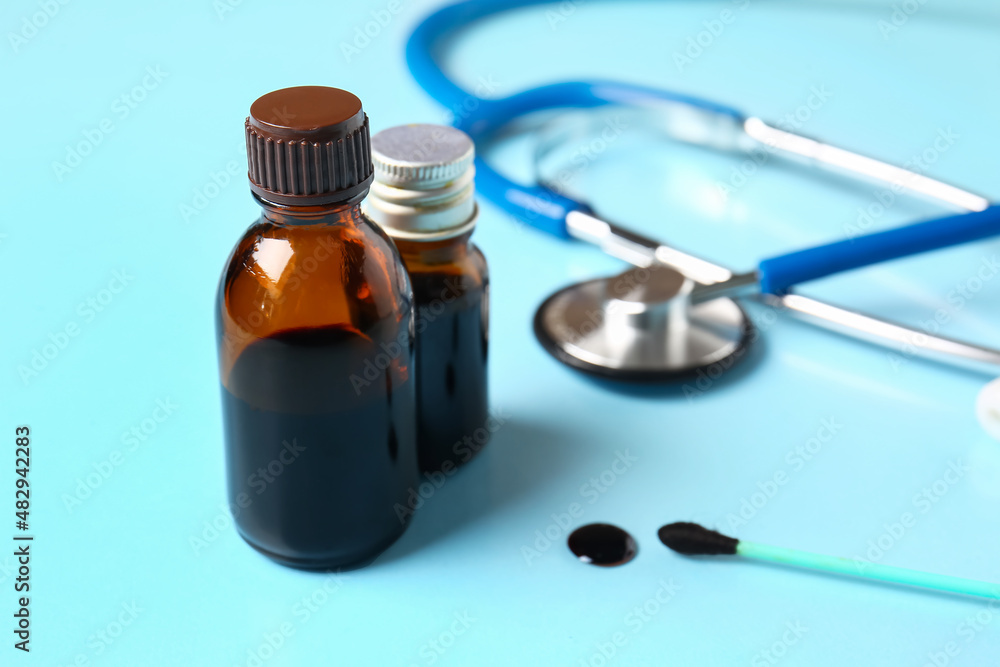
[(692, 539)]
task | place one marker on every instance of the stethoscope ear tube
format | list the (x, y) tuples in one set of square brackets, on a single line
[(778, 274), (537, 205)]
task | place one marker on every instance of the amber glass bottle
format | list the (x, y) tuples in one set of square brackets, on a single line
[(315, 337), (423, 196)]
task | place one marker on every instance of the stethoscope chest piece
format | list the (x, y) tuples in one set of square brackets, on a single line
[(641, 326)]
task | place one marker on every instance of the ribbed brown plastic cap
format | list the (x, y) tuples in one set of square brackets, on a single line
[(308, 145)]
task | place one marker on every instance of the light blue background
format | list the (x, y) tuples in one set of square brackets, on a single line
[(901, 426)]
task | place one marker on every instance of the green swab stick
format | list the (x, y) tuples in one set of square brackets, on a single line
[(694, 540)]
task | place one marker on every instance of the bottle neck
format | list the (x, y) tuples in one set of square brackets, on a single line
[(348, 212)]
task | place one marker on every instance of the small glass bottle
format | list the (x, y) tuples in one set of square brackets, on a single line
[(315, 339), (423, 197)]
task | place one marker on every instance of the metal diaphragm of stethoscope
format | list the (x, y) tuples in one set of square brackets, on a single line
[(674, 313)]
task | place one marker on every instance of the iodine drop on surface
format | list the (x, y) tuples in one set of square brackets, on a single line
[(602, 544)]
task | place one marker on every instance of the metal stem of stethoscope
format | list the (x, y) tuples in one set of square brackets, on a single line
[(642, 251), (856, 165), (907, 342)]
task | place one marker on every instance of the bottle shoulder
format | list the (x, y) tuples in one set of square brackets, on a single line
[(277, 252), (305, 238), (314, 275), (479, 260), (465, 278), (447, 257)]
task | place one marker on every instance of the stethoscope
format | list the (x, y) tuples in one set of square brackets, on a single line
[(674, 314)]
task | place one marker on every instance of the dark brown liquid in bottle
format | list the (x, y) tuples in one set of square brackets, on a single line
[(452, 343), (319, 463), (602, 544), (319, 406)]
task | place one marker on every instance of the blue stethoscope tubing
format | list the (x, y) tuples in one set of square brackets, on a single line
[(547, 210), (537, 205)]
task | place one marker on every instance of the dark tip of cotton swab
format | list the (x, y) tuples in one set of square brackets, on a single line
[(692, 539)]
